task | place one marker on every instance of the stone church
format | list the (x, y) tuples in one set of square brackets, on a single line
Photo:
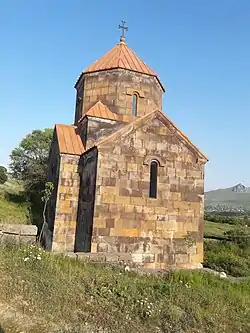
[(126, 179)]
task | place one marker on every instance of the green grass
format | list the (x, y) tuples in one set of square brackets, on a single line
[(227, 257), (230, 249), (13, 207), (217, 229), (64, 295)]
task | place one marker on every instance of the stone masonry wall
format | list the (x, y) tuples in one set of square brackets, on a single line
[(18, 233), (114, 88), (66, 204), (94, 129), (157, 232), (99, 128)]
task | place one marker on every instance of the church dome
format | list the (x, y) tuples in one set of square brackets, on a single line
[(121, 56)]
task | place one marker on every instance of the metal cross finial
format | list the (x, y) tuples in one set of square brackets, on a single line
[(123, 28)]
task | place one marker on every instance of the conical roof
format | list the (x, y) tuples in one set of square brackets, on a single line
[(121, 56)]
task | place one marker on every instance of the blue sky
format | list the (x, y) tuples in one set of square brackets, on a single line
[(200, 49)]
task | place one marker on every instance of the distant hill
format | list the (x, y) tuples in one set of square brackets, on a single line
[(233, 198)]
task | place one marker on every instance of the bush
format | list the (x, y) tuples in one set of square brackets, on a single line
[(227, 257), (3, 175), (234, 220), (240, 236)]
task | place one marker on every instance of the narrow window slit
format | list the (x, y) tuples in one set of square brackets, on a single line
[(134, 105), (153, 179)]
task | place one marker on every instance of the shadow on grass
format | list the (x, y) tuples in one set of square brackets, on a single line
[(1, 329), (18, 198)]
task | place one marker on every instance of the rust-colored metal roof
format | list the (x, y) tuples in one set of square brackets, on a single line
[(69, 141), (100, 110), (121, 56)]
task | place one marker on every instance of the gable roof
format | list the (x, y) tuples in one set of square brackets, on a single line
[(121, 56), (100, 110), (69, 141), (152, 115)]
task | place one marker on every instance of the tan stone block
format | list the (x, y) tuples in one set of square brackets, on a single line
[(108, 198), (65, 210), (167, 234), (105, 91), (62, 189), (148, 225), (70, 167), (88, 93), (181, 227), (108, 181), (99, 222), (59, 224), (150, 202), (166, 225), (176, 196), (93, 247), (177, 204), (196, 258), (131, 232), (59, 238), (129, 208), (138, 209), (195, 205), (137, 201), (103, 172), (184, 205), (131, 167), (111, 89), (199, 247), (150, 217), (72, 224), (122, 200), (148, 210), (159, 210), (126, 192), (64, 204), (109, 189), (163, 131), (117, 232)]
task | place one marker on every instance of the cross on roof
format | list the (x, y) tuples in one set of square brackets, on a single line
[(123, 29)]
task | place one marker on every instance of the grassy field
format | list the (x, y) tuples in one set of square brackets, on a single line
[(217, 229), (13, 208), (232, 253), (49, 293)]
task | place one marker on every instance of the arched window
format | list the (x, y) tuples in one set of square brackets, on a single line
[(134, 104), (153, 179)]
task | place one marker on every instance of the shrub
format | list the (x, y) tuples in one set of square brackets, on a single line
[(3, 175), (228, 257)]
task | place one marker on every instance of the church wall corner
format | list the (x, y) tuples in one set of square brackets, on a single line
[(66, 204)]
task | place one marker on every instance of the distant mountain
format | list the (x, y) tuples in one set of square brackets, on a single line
[(240, 188), (235, 198)]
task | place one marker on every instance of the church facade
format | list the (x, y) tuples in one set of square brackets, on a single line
[(126, 179)]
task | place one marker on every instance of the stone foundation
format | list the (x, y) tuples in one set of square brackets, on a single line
[(18, 233)]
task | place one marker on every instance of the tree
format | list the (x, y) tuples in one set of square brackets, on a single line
[(47, 192), (29, 164), (3, 175)]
